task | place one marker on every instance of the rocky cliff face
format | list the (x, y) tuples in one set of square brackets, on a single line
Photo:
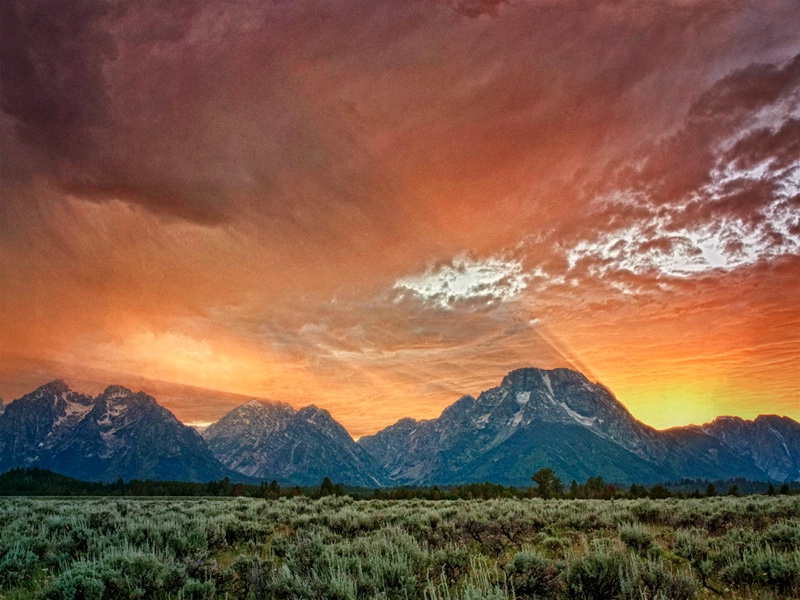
[(537, 418), (270, 440), (771, 442), (32, 426), (118, 434)]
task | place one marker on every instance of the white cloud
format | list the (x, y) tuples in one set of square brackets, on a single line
[(722, 242), (491, 280)]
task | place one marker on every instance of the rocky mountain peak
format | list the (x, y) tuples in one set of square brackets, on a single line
[(534, 418), (117, 391), (772, 419), (461, 406), (314, 414), (529, 378), (118, 434), (54, 397), (729, 420), (51, 401), (117, 400), (325, 423), (265, 404), (119, 395), (772, 442), (263, 414), (273, 441), (523, 379), (57, 387)]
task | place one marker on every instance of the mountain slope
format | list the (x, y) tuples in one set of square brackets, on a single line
[(534, 419), (270, 440), (33, 425), (118, 434), (537, 418), (131, 436), (771, 442)]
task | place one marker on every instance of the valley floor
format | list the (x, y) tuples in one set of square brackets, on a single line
[(336, 547)]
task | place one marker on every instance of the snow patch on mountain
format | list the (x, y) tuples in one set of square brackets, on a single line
[(483, 420), (780, 437), (546, 380), (583, 420), (74, 411)]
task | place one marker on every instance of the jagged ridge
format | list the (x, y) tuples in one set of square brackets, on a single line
[(535, 418), (538, 418), (271, 440), (118, 434)]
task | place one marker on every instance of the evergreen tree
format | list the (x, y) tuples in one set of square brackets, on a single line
[(574, 490), (326, 488), (549, 484)]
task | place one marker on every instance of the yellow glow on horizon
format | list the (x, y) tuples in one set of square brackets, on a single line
[(673, 403)]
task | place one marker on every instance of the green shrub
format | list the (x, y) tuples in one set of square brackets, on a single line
[(646, 512), (766, 568), (653, 580), (79, 583), (636, 536), (196, 590), (533, 576), (450, 563), (594, 576), (18, 565), (783, 535), (400, 550)]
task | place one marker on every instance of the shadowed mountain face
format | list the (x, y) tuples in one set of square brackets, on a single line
[(534, 419), (270, 440), (31, 427), (771, 442), (559, 419), (118, 434)]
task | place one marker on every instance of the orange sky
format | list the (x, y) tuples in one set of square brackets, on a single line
[(378, 206)]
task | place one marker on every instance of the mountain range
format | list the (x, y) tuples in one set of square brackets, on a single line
[(534, 419)]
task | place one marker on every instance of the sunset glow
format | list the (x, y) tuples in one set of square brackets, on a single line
[(377, 207)]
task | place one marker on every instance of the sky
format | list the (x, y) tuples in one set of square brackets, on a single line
[(377, 206)]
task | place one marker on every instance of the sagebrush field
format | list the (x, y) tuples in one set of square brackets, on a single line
[(336, 547)]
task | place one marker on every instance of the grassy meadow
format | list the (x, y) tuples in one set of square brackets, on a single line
[(340, 548)]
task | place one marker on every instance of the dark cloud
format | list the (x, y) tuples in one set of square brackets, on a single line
[(52, 56), (746, 90), (208, 111), (477, 8), (685, 162), (780, 145)]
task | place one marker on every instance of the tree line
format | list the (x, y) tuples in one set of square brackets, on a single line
[(42, 482)]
